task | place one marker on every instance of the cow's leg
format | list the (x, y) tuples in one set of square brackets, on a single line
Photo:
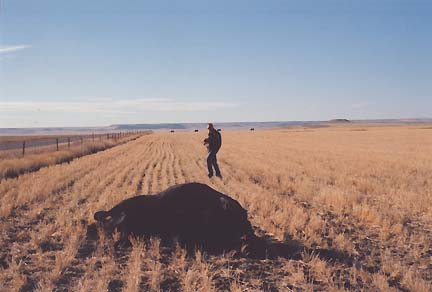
[(123, 241)]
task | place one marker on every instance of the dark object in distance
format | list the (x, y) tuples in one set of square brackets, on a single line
[(252, 129), (340, 121), (196, 131), (172, 131), (193, 213), (219, 130)]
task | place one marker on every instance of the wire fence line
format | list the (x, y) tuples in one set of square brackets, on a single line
[(63, 141)]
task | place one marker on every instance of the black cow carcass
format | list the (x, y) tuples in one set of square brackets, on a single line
[(193, 213)]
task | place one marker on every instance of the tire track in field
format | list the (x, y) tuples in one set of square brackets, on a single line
[(153, 171), (171, 165), (182, 171), (169, 174), (146, 164), (160, 180), (148, 179), (166, 165), (175, 173), (156, 173), (149, 161), (177, 170)]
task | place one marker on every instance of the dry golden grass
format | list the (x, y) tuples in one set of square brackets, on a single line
[(12, 163), (347, 210)]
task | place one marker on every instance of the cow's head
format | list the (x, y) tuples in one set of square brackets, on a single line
[(109, 222)]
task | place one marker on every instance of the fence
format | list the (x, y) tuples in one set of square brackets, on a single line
[(57, 141)]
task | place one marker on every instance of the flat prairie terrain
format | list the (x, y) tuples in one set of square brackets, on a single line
[(342, 209)]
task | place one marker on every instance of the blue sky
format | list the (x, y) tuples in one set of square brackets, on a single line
[(95, 63)]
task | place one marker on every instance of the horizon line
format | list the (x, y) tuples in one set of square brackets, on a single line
[(419, 120)]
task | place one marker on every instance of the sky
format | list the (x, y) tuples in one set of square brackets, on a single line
[(97, 63)]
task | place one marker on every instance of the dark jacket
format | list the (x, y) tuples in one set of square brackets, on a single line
[(213, 141)]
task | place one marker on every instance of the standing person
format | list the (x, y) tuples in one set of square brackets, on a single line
[(213, 142)]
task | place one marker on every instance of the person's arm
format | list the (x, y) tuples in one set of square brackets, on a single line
[(206, 141)]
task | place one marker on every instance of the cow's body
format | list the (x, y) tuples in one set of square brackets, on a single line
[(193, 213)]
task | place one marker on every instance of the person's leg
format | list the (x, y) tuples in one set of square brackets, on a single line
[(209, 164), (216, 166)]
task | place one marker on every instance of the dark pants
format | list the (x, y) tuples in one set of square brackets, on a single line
[(212, 162)]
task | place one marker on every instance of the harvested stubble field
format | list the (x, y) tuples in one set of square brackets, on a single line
[(13, 163), (343, 209)]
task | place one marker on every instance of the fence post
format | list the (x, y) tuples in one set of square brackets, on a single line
[(93, 137), (68, 142), (107, 136), (81, 140), (23, 148)]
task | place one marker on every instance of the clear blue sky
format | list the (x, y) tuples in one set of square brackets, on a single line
[(87, 63)]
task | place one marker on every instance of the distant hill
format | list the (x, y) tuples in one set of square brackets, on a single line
[(340, 121), (192, 126), (226, 125)]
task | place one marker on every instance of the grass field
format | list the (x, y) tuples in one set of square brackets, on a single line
[(13, 163), (346, 208)]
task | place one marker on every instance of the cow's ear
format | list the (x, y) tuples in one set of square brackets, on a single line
[(100, 215)]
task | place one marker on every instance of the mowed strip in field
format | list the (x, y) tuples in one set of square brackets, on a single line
[(349, 207)]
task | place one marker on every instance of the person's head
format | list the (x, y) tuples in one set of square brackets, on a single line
[(210, 126)]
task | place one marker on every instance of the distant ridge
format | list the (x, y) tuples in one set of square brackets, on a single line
[(226, 125), (340, 121), (192, 126)]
